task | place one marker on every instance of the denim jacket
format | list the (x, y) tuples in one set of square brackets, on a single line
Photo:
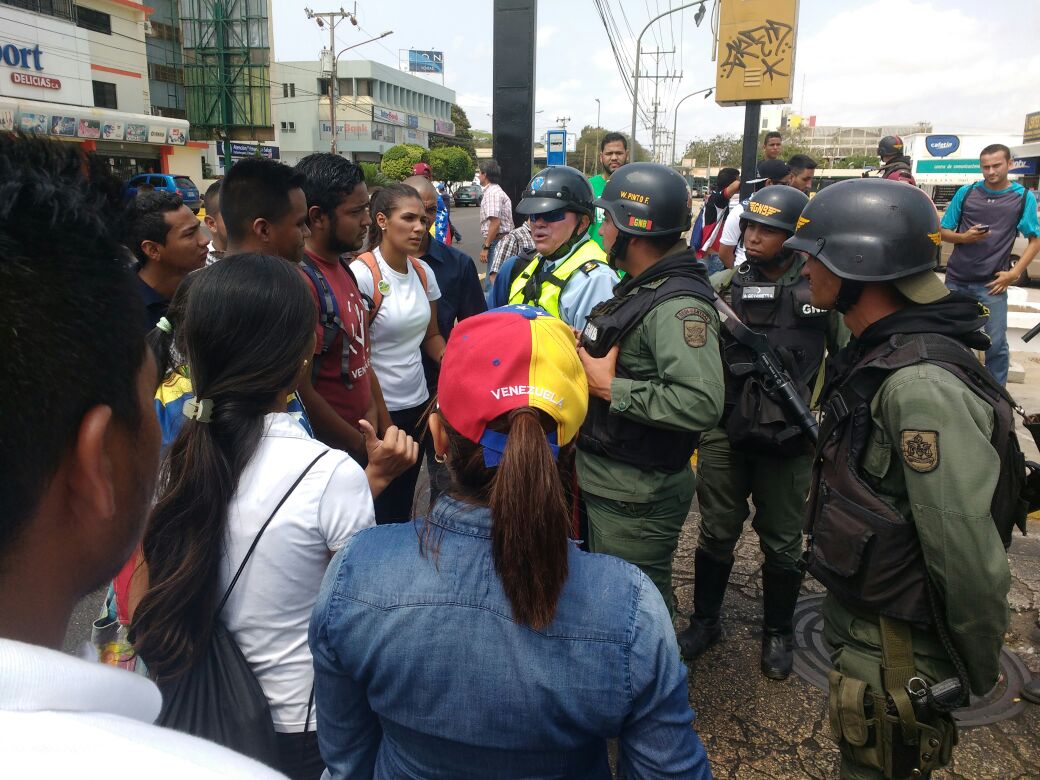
[(421, 672)]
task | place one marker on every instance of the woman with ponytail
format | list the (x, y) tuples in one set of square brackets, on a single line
[(481, 642), (247, 335)]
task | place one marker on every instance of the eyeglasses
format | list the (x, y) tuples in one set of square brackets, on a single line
[(550, 216)]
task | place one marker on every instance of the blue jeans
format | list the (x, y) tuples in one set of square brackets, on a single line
[(491, 254), (998, 356)]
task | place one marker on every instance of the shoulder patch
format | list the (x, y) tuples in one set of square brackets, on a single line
[(691, 311), (590, 266), (695, 333), (920, 450)]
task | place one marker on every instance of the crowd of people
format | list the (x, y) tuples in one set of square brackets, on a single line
[(229, 428)]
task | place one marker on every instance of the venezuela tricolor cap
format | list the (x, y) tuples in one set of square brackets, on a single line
[(506, 359)]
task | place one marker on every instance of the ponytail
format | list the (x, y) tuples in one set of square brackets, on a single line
[(529, 514), (529, 522)]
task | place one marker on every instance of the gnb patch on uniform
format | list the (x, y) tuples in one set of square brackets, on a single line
[(920, 450)]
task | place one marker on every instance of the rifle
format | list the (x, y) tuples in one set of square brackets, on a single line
[(770, 368)]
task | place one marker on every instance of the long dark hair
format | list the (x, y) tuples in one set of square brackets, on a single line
[(384, 201), (246, 327), (529, 513)]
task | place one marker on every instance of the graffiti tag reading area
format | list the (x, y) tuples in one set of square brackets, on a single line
[(762, 53)]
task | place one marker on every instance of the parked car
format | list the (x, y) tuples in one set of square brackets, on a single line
[(167, 182), (469, 195)]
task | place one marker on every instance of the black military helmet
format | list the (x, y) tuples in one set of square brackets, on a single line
[(777, 206), (889, 145), (869, 230), (557, 187), (647, 199)]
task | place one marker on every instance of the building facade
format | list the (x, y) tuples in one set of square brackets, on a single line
[(377, 107), (78, 72)]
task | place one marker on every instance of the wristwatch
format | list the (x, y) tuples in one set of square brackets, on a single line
[(487, 247)]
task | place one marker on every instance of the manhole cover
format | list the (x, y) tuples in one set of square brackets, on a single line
[(812, 660)]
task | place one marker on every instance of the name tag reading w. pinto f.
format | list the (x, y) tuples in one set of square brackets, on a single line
[(755, 293)]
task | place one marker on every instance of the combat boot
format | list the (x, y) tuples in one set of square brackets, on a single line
[(780, 589), (710, 576)]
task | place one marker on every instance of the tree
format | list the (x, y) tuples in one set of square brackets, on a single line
[(722, 151), (463, 135), (858, 161), (451, 163), (586, 158), (398, 161)]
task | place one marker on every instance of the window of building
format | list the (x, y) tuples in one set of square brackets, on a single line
[(105, 95), (89, 19), (159, 72), (288, 127), (164, 32), (364, 88), (288, 90)]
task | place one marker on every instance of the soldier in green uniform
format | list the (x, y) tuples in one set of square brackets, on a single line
[(651, 354), (914, 485), (757, 452)]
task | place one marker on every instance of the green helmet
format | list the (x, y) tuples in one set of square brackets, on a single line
[(647, 199), (557, 187)]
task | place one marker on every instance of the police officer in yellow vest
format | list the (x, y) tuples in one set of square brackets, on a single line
[(568, 273)]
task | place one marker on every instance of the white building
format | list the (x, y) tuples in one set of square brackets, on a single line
[(378, 107), (78, 72)]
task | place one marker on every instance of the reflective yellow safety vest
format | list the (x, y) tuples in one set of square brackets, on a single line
[(551, 284)]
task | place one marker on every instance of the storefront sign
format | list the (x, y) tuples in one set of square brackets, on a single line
[(948, 166), (249, 150), (32, 80), (63, 125), (942, 145), (1027, 167), (19, 56), (425, 61), (387, 115), (413, 121), (442, 127)]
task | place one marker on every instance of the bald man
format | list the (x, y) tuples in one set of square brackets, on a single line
[(461, 297)]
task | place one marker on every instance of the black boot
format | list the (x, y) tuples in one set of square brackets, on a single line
[(710, 576), (1031, 691), (780, 589)]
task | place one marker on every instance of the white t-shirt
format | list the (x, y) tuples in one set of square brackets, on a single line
[(269, 610), (62, 716), (731, 232), (398, 331)]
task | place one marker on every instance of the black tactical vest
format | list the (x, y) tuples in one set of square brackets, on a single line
[(864, 551), (615, 436), (753, 419)]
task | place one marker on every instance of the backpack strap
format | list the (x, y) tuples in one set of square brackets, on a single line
[(256, 539), (328, 312), (369, 259)]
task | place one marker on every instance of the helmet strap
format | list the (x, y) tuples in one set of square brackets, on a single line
[(848, 295), (618, 250), (567, 246)]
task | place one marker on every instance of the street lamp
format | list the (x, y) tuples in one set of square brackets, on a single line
[(675, 112), (333, 99), (639, 42)]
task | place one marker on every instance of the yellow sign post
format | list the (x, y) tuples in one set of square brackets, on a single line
[(756, 51)]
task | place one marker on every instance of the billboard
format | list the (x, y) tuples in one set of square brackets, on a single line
[(425, 61), (756, 51)]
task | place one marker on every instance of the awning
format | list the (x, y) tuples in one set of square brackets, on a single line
[(89, 123), (1026, 150)]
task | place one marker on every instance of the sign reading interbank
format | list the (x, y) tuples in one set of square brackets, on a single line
[(948, 166)]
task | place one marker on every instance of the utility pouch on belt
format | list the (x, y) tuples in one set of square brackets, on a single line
[(892, 731)]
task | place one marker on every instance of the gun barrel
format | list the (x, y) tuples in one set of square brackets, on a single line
[(1032, 333)]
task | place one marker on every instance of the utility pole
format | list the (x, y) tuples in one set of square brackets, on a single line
[(657, 78), (333, 17)]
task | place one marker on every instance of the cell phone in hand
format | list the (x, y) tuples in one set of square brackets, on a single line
[(982, 228)]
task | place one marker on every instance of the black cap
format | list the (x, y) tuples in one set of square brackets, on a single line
[(775, 170)]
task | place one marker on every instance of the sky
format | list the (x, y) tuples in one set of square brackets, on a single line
[(963, 65)]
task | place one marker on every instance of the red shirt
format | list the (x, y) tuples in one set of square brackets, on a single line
[(349, 395)]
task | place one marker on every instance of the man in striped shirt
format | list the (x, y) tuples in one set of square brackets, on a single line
[(496, 210)]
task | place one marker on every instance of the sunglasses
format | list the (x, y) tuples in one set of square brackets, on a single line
[(550, 216)]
